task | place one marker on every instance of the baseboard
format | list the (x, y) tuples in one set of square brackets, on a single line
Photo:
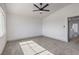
[(37, 37), (54, 38), (26, 38)]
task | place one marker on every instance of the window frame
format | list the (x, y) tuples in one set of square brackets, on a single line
[(4, 22)]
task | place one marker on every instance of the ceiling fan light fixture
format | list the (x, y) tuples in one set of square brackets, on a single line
[(41, 12)]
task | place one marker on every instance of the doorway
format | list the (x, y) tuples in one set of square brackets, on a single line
[(73, 27)]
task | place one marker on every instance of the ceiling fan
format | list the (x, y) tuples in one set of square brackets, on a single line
[(41, 8)]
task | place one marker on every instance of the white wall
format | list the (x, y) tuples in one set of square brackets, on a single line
[(53, 25), (3, 37), (19, 27)]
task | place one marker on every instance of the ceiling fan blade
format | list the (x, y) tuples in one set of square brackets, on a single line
[(36, 6), (36, 10), (46, 10), (45, 6)]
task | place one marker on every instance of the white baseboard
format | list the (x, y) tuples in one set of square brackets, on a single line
[(26, 38), (55, 38)]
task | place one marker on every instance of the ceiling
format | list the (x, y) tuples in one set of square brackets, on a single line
[(26, 9)]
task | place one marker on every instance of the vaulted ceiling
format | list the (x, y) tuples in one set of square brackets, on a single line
[(26, 9)]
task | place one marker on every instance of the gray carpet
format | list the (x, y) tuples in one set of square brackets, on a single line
[(54, 46)]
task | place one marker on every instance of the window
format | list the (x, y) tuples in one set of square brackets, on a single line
[(2, 27)]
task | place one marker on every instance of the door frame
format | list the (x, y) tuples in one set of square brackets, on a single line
[(68, 20), (68, 29)]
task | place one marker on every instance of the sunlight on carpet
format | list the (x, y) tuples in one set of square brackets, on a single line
[(32, 48)]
